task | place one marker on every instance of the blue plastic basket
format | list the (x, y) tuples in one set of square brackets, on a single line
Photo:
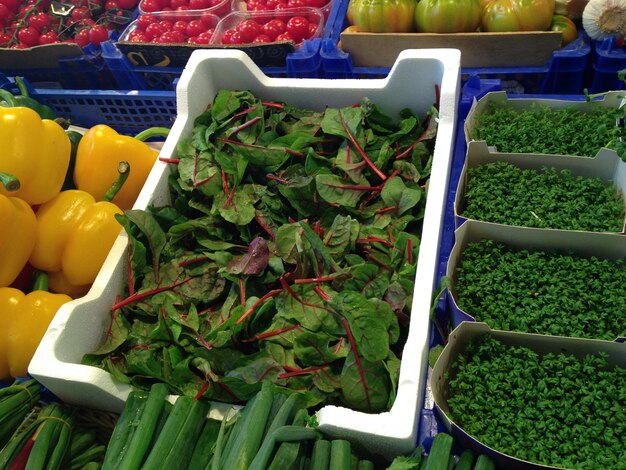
[(563, 74), (128, 112), (82, 72), (608, 58)]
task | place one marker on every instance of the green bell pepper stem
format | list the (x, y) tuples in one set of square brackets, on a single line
[(123, 168), (22, 86), (8, 98), (41, 281), (152, 132), (9, 181)]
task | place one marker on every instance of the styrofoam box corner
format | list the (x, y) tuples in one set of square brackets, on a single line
[(413, 82)]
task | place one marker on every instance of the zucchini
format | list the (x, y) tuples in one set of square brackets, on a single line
[(465, 460), (484, 463), (440, 452)]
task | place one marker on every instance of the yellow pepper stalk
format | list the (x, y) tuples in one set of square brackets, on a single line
[(18, 232), (35, 155), (31, 316), (100, 150), (75, 235)]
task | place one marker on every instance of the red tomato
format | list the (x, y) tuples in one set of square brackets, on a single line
[(5, 13), (249, 29), (170, 37), (204, 38), (231, 36), (271, 4), (98, 34), (82, 37), (284, 37), (150, 6), (567, 28), (262, 38), (180, 25), (12, 4), (195, 27), (199, 4), (49, 38), (144, 20), (274, 27), (137, 35), (166, 25), (28, 36), (4, 39), (298, 28), (176, 4), (208, 20), (153, 30), (40, 21)]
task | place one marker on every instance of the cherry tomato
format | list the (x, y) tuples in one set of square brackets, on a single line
[(28, 36), (271, 4), (312, 29), (137, 35), (199, 4), (168, 37), (49, 38), (261, 38), (150, 6), (249, 29), (40, 21), (180, 25), (204, 38), (153, 30), (298, 28), (127, 4), (274, 27), (176, 4), (111, 5), (98, 34), (166, 25), (208, 20), (284, 37), (12, 5), (82, 37), (5, 13), (195, 27), (231, 36), (144, 20), (4, 39), (283, 12)]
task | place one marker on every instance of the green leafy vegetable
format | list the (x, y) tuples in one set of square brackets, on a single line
[(552, 409), (503, 193), (288, 254)]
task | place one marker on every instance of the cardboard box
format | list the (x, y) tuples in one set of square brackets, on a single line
[(37, 57), (79, 326), (457, 341), (606, 165), (610, 246), (521, 49), (613, 99)]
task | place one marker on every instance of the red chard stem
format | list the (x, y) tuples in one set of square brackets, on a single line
[(379, 173)]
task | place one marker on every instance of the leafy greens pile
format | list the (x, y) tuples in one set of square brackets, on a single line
[(289, 253), (552, 409), (542, 129), (542, 292), (503, 193)]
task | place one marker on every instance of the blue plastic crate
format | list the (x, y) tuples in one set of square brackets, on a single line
[(128, 112), (563, 74), (609, 57), (305, 62), (82, 72)]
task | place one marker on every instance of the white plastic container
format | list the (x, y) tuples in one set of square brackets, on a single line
[(414, 81)]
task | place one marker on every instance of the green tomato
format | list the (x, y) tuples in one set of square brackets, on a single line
[(447, 16), (382, 16), (517, 15)]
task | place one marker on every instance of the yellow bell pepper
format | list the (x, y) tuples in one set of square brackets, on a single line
[(35, 155), (75, 235), (58, 283), (100, 150), (9, 301), (17, 237), (31, 315)]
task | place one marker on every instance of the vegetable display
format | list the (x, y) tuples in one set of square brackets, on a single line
[(502, 193), (517, 15), (289, 254), (604, 18), (447, 16), (382, 16), (542, 292), (17, 218), (551, 409), (540, 129)]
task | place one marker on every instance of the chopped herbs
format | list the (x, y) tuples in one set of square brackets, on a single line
[(541, 129), (542, 292), (289, 254), (502, 193), (552, 409)]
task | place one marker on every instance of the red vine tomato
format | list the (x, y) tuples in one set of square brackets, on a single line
[(447, 16), (382, 16), (567, 28), (518, 15)]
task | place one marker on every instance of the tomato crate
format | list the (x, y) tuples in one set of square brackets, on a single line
[(563, 71), (128, 112), (608, 58)]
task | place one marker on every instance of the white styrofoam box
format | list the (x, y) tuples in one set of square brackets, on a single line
[(414, 81)]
